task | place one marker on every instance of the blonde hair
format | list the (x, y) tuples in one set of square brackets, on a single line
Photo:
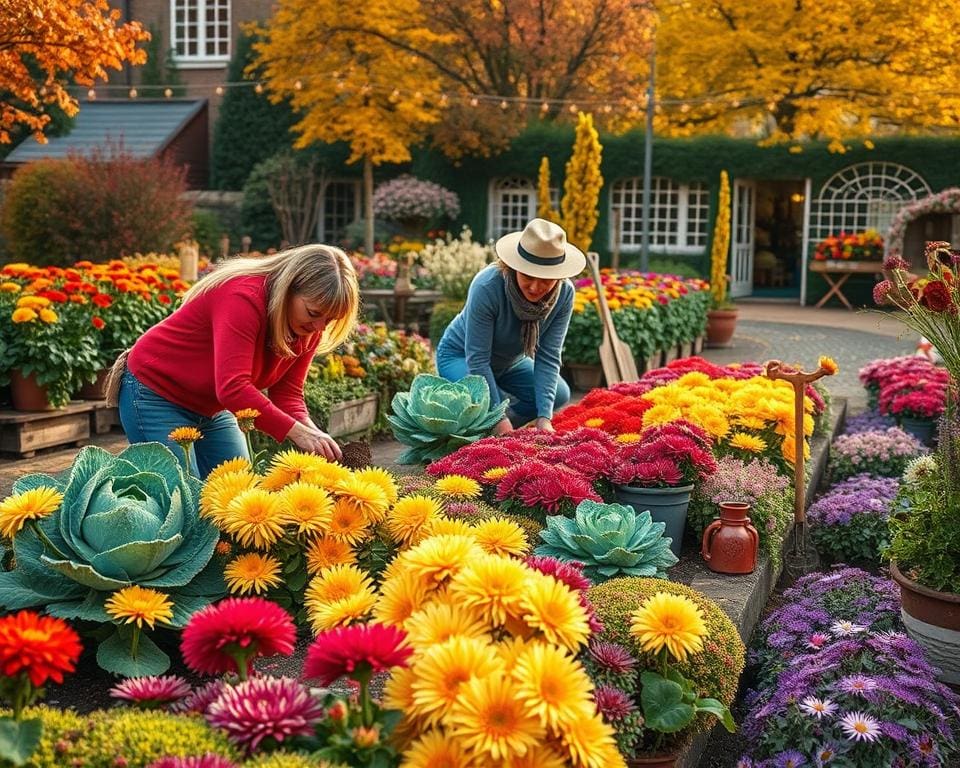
[(321, 274)]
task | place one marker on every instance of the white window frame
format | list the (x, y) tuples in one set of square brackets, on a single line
[(323, 236), (200, 60), (526, 191), (683, 230)]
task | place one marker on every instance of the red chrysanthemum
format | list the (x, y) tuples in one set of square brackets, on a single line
[(152, 691), (236, 628), (208, 760), (42, 646), (358, 647), (200, 700)]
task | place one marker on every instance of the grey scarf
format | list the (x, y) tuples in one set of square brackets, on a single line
[(530, 313)]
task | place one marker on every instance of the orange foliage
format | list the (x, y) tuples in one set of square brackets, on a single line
[(57, 39)]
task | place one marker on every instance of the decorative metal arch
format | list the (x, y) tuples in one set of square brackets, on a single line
[(945, 201), (864, 196)]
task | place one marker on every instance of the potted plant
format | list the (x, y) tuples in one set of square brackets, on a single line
[(722, 315), (414, 203), (658, 472)]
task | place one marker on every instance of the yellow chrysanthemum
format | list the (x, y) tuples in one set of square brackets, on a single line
[(327, 474), (229, 466), (23, 315), (435, 750), (789, 449), (491, 721), (715, 424), (661, 414), (326, 551), (751, 422), (553, 609), (347, 522), (400, 597), (8, 287), (368, 497), (33, 302), (20, 508), (628, 437), (309, 507), (49, 316), (218, 492), (439, 620), (138, 605), (495, 473), (439, 558), (184, 435), (441, 672), (290, 466), (457, 486), (590, 743), (511, 648), (255, 518), (492, 585), (500, 536), (398, 690), (552, 684), (409, 516), (380, 477), (694, 379), (540, 756), (596, 422), (337, 582), (441, 525), (669, 621), (747, 442), (245, 418), (252, 572), (341, 613), (829, 365)]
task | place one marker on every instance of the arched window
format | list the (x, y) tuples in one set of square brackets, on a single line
[(513, 202), (863, 196), (339, 207), (678, 215)]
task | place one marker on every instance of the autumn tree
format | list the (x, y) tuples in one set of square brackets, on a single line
[(808, 69), (47, 44), (360, 89)]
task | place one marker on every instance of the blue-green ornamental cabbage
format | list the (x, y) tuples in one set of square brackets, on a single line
[(610, 540), (126, 519), (438, 416)]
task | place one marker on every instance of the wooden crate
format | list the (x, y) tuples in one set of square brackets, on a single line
[(23, 433)]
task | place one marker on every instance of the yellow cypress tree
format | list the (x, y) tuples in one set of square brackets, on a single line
[(720, 249), (582, 184), (544, 208)]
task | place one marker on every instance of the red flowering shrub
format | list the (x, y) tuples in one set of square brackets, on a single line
[(676, 453), (536, 488)]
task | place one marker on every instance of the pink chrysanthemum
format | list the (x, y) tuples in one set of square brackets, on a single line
[(200, 700), (227, 636), (276, 708), (344, 650), (208, 760), (613, 703), (152, 692), (570, 573), (611, 656), (858, 726)]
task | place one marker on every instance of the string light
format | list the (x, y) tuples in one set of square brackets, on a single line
[(92, 94), (297, 85), (168, 92), (133, 93), (474, 101), (504, 105), (219, 90), (544, 107), (573, 109), (258, 87)]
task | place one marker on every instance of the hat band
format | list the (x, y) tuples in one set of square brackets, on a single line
[(543, 261)]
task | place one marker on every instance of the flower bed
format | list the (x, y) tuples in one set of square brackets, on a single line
[(884, 453), (650, 312), (862, 246)]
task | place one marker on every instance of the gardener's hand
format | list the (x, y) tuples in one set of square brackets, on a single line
[(312, 440), (503, 427), (543, 423)]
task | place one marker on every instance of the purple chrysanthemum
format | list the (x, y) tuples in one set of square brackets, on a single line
[(924, 750), (858, 726), (200, 700), (261, 708), (790, 759), (612, 656), (857, 684), (817, 707), (824, 755), (613, 703), (152, 692), (208, 760), (844, 628)]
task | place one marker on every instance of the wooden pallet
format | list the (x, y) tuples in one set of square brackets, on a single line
[(23, 433)]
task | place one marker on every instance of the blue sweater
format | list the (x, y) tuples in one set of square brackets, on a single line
[(487, 334)]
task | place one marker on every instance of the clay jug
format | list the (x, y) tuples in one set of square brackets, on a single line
[(731, 544)]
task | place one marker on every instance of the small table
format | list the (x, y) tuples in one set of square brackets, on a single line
[(383, 297), (843, 270)]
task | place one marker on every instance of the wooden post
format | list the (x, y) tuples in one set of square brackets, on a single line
[(189, 258), (799, 380), (224, 246), (245, 244), (615, 254)]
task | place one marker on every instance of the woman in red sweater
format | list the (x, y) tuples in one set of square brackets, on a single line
[(244, 337)]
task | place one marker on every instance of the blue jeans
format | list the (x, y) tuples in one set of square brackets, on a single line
[(517, 384), (148, 417)]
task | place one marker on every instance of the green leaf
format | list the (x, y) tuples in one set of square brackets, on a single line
[(19, 740), (714, 707), (115, 655), (296, 581), (663, 707)]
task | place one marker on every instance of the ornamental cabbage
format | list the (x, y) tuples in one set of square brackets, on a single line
[(438, 416), (610, 540), (126, 519)]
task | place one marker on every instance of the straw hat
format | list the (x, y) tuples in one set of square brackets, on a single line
[(541, 250)]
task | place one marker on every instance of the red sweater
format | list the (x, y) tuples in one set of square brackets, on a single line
[(214, 353)]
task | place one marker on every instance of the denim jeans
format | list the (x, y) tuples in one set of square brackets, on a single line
[(148, 417), (516, 384)]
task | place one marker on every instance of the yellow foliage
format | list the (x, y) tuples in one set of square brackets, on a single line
[(544, 208), (721, 244), (58, 37), (582, 184)]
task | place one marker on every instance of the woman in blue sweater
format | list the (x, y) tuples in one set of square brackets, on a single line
[(512, 328)]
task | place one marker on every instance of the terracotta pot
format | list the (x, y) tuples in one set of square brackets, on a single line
[(731, 544), (653, 761), (27, 395), (96, 390), (721, 323), (932, 619)]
